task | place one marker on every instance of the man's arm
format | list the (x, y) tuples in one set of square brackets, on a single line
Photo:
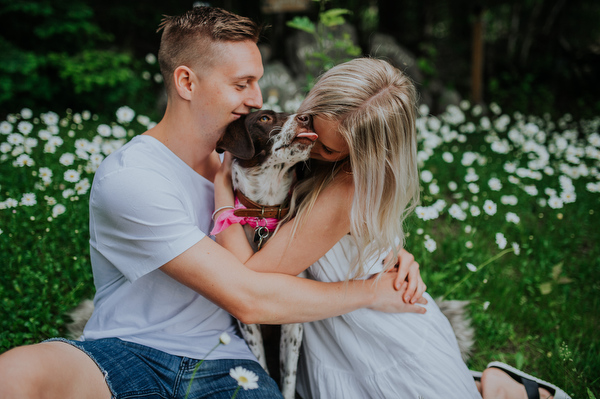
[(272, 298)]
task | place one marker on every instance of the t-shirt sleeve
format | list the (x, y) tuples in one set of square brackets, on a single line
[(139, 222)]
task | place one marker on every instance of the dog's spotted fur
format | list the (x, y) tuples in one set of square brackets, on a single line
[(266, 179)]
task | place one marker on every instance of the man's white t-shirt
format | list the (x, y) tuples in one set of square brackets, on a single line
[(147, 207)]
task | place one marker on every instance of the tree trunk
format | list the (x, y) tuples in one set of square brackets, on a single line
[(477, 59)]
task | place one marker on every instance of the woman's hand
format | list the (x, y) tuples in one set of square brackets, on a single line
[(389, 299), (408, 272)]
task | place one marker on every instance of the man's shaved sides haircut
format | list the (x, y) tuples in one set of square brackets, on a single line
[(193, 39)]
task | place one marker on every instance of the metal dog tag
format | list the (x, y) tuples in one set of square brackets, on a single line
[(260, 234)]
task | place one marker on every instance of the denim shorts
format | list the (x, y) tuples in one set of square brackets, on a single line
[(137, 371)]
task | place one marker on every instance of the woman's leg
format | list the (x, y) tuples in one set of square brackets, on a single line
[(496, 384)]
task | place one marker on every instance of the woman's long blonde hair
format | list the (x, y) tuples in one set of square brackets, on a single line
[(374, 104)]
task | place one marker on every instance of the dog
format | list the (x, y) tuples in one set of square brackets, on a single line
[(262, 183)]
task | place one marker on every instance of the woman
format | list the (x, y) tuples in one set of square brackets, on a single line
[(346, 212)]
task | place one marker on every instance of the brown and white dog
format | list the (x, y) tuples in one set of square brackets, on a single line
[(262, 184)]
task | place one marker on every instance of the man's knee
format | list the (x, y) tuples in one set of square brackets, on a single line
[(19, 373)]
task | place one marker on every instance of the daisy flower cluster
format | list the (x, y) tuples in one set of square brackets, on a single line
[(48, 161), (486, 176)]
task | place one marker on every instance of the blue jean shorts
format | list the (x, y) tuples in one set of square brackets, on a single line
[(137, 371)]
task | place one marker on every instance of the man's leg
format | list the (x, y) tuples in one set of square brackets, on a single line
[(50, 370), (213, 381)]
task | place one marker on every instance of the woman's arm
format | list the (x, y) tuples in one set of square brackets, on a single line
[(326, 223), (233, 237)]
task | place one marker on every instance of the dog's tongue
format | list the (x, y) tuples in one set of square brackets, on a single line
[(308, 135)]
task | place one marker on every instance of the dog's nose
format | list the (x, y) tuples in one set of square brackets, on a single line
[(303, 119)]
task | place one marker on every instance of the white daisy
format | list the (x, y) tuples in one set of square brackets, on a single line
[(26, 113), (512, 217), (448, 157), (426, 176), (224, 338), (50, 118), (67, 159), (434, 189), (495, 184), (104, 130), (28, 199), (119, 132), (568, 197), (68, 193), (150, 58), (125, 114), (24, 160), (555, 203), (501, 240), (489, 207), (245, 378), (15, 139), (516, 248), (456, 212), (430, 244), (509, 200), (25, 127), (5, 127), (72, 176), (82, 186), (471, 267), (58, 209)]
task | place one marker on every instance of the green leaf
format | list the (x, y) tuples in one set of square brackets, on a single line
[(333, 17), (545, 288), (556, 270), (519, 360), (303, 24)]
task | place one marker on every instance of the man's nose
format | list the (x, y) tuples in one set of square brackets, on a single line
[(254, 99)]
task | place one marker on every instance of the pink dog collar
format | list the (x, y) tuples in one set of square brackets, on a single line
[(227, 218)]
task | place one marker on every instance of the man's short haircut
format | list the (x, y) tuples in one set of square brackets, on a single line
[(189, 39)]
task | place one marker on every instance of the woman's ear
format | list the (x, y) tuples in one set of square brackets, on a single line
[(183, 77)]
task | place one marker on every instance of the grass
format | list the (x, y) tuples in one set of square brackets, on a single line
[(512, 197)]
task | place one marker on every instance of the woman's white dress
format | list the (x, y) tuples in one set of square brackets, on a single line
[(370, 354)]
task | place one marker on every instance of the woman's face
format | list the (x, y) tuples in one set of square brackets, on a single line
[(330, 146)]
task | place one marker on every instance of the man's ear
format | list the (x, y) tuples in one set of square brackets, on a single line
[(237, 140), (182, 77)]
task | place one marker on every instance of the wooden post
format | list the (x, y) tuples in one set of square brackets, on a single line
[(477, 59)]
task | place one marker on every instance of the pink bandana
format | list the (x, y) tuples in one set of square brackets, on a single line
[(227, 218)]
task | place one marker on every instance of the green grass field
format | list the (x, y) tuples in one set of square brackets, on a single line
[(508, 219)]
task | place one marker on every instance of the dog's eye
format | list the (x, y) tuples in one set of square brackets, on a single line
[(264, 118)]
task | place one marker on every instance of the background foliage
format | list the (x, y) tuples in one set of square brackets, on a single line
[(540, 56)]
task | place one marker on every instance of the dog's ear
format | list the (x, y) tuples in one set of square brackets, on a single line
[(237, 140)]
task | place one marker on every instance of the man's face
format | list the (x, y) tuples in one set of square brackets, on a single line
[(230, 88)]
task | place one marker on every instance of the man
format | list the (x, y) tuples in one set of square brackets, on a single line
[(165, 291)]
